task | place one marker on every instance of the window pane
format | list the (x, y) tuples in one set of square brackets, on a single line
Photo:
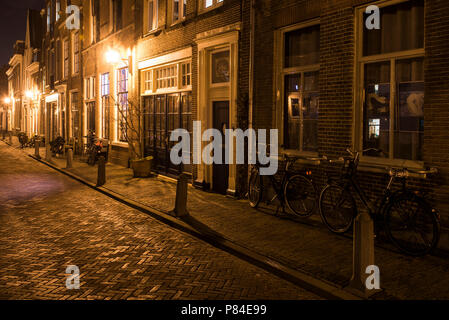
[(310, 111), (409, 126), (220, 67), (175, 10), (302, 47), (208, 3), (150, 15), (376, 111), (291, 112), (402, 28)]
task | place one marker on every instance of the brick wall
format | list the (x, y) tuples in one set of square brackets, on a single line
[(337, 64)]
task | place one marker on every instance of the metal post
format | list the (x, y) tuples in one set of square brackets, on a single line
[(69, 158), (101, 178), (181, 197), (363, 254), (10, 138), (47, 152), (37, 144)]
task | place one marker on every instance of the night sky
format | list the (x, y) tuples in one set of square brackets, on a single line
[(13, 24)]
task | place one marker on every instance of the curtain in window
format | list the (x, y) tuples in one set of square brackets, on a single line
[(402, 28)]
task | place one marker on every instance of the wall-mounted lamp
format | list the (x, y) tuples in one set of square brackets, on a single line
[(114, 57)]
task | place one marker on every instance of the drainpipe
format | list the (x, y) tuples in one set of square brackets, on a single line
[(251, 64)]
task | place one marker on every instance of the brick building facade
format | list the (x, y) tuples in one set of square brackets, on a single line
[(311, 69), (327, 82), (61, 74)]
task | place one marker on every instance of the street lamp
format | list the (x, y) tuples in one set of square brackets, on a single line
[(29, 94), (114, 57), (7, 100)]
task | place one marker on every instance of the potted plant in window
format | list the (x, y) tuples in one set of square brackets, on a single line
[(130, 129)]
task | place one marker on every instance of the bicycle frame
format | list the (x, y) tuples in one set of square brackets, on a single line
[(350, 181)]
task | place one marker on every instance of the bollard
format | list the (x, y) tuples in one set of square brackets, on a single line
[(69, 158), (181, 197), (3, 134), (47, 153), (37, 144), (10, 139), (363, 255), (101, 178)]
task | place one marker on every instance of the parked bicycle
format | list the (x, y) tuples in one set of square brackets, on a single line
[(57, 145), (295, 188), (23, 139), (408, 219), (95, 148)]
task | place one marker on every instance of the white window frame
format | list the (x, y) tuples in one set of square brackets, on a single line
[(118, 91), (181, 12), (146, 16), (360, 62), (75, 53), (280, 73), (215, 4), (155, 89), (66, 58)]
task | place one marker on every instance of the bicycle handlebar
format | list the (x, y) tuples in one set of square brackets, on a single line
[(405, 172)]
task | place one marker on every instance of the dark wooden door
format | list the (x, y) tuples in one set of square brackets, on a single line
[(221, 122)]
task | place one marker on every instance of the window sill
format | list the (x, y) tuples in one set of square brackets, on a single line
[(177, 22), (381, 165), (303, 154), (119, 144), (213, 7), (154, 32)]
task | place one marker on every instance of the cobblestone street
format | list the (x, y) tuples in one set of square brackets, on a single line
[(49, 221)]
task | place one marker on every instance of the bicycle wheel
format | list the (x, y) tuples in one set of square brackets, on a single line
[(255, 189), (411, 225), (337, 208), (300, 195)]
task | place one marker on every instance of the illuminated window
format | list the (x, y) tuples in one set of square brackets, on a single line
[(391, 64)]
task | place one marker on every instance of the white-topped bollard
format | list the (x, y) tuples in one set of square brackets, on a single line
[(363, 257), (181, 197), (37, 144), (47, 152), (69, 158), (101, 177)]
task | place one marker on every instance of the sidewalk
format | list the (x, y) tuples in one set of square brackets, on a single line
[(304, 245)]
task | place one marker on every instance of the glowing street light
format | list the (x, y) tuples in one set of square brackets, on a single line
[(29, 94), (113, 56), (7, 100)]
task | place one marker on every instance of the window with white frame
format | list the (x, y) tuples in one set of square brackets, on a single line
[(206, 4), (150, 15), (186, 74), (76, 53), (58, 9), (122, 104), (49, 19), (148, 80), (105, 106), (167, 77), (300, 80), (178, 10), (391, 82), (66, 58), (89, 88)]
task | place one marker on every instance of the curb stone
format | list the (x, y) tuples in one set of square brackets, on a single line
[(320, 287)]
